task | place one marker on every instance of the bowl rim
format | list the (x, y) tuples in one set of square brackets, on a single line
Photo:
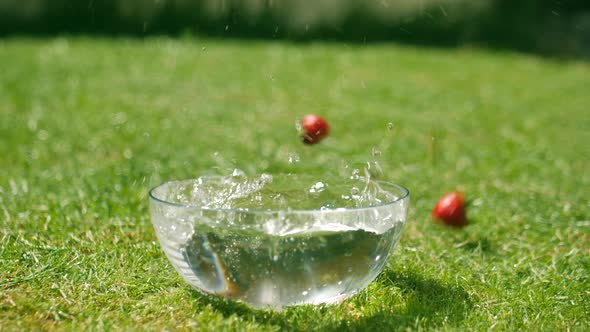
[(405, 195)]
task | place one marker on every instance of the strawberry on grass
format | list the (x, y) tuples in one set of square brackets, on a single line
[(451, 210), (313, 129)]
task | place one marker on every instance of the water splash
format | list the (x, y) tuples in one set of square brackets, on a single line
[(280, 192)]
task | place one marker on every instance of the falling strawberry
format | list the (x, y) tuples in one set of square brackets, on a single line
[(314, 129), (450, 210)]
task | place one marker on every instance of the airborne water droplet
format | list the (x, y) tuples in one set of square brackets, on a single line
[(280, 200), (294, 158), (355, 174), (375, 152), (317, 188), (43, 135), (238, 173), (390, 125), (373, 169), (298, 125), (128, 154)]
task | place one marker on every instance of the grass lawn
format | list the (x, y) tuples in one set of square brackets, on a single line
[(88, 126)]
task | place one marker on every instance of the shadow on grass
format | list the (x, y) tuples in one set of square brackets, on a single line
[(422, 302), (425, 302), (483, 245)]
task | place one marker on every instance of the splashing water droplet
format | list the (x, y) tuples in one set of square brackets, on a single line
[(238, 173), (373, 169), (390, 126), (266, 178), (128, 153), (294, 158), (367, 170), (298, 125), (355, 174), (280, 200), (354, 191), (375, 152), (43, 135), (317, 188)]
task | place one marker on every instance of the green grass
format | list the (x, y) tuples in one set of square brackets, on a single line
[(87, 126)]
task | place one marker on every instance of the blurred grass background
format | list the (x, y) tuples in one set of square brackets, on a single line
[(558, 28)]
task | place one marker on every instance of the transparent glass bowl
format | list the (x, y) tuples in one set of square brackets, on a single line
[(277, 258)]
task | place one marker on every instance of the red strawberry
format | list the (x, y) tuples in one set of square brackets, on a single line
[(314, 129), (451, 210)]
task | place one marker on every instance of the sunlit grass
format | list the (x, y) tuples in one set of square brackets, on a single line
[(87, 126)]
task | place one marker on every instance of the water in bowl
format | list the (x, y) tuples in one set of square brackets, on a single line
[(274, 241)]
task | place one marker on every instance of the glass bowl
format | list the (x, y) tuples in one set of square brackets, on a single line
[(276, 257)]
